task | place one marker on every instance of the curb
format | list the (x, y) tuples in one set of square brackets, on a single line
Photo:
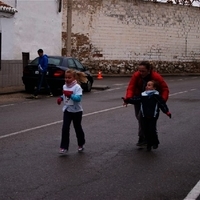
[(12, 92)]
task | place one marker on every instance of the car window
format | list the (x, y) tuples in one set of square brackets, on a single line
[(79, 65), (64, 62), (35, 61), (51, 61), (54, 61), (71, 64)]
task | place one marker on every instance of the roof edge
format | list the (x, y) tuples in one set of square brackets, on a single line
[(6, 8)]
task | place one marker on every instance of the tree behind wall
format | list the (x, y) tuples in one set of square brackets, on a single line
[(180, 2)]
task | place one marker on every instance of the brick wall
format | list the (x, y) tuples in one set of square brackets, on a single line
[(112, 36)]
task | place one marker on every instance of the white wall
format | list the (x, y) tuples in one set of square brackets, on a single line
[(37, 24), (7, 37), (137, 30)]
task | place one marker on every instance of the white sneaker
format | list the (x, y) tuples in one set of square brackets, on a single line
[(80, 148), (35, 97), (63, 151)]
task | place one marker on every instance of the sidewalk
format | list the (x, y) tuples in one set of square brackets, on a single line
[(12, 90)]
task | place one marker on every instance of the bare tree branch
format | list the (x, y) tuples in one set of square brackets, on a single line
[(181, 2)]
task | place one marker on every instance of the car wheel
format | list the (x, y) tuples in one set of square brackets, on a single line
[(29, 88), (88, 87)]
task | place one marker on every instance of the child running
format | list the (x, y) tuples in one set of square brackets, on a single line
[(72, 109), (150, 102)]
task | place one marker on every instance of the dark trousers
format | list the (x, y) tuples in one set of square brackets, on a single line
[(139, 117), (41, 80), (76, 118), (150, 130)]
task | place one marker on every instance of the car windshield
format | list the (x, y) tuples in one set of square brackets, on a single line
[(51, 61)]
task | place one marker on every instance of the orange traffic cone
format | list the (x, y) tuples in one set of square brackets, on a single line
[(99, 75)]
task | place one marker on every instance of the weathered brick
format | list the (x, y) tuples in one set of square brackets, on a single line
[(124, 30)]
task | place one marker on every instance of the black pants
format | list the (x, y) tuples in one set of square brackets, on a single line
[(42, 80), (76, 118), (150, 131), (138, 116)]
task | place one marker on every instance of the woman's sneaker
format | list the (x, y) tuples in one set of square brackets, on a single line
[(63, 151), (80, 148)]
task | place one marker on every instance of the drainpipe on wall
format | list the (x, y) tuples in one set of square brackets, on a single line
[(69, 27)]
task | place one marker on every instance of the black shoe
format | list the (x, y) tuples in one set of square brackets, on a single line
[(141, 142), (148, 147), (155, 146)]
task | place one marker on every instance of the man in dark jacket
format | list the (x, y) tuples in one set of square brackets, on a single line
[(137, 85), (42, 67)]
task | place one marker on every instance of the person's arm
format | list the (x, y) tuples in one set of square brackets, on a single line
[(130, 92), (162, 105), (76, 98), (44, 63), (133, 100), (164, 90), (40, 64), (59, 100), (77, 95)]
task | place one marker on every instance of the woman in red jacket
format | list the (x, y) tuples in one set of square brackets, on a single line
[(137, 85)]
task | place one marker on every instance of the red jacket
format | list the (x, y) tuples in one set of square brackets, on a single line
[(135, 87)]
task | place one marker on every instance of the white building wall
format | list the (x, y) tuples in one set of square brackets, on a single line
[(37, 24), (7, 33)]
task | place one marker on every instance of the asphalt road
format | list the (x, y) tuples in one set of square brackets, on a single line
[(111, 167)]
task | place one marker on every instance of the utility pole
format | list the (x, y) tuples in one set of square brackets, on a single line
[(69, 27)]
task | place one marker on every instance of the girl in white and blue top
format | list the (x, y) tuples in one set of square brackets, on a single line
[(72, 110)]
